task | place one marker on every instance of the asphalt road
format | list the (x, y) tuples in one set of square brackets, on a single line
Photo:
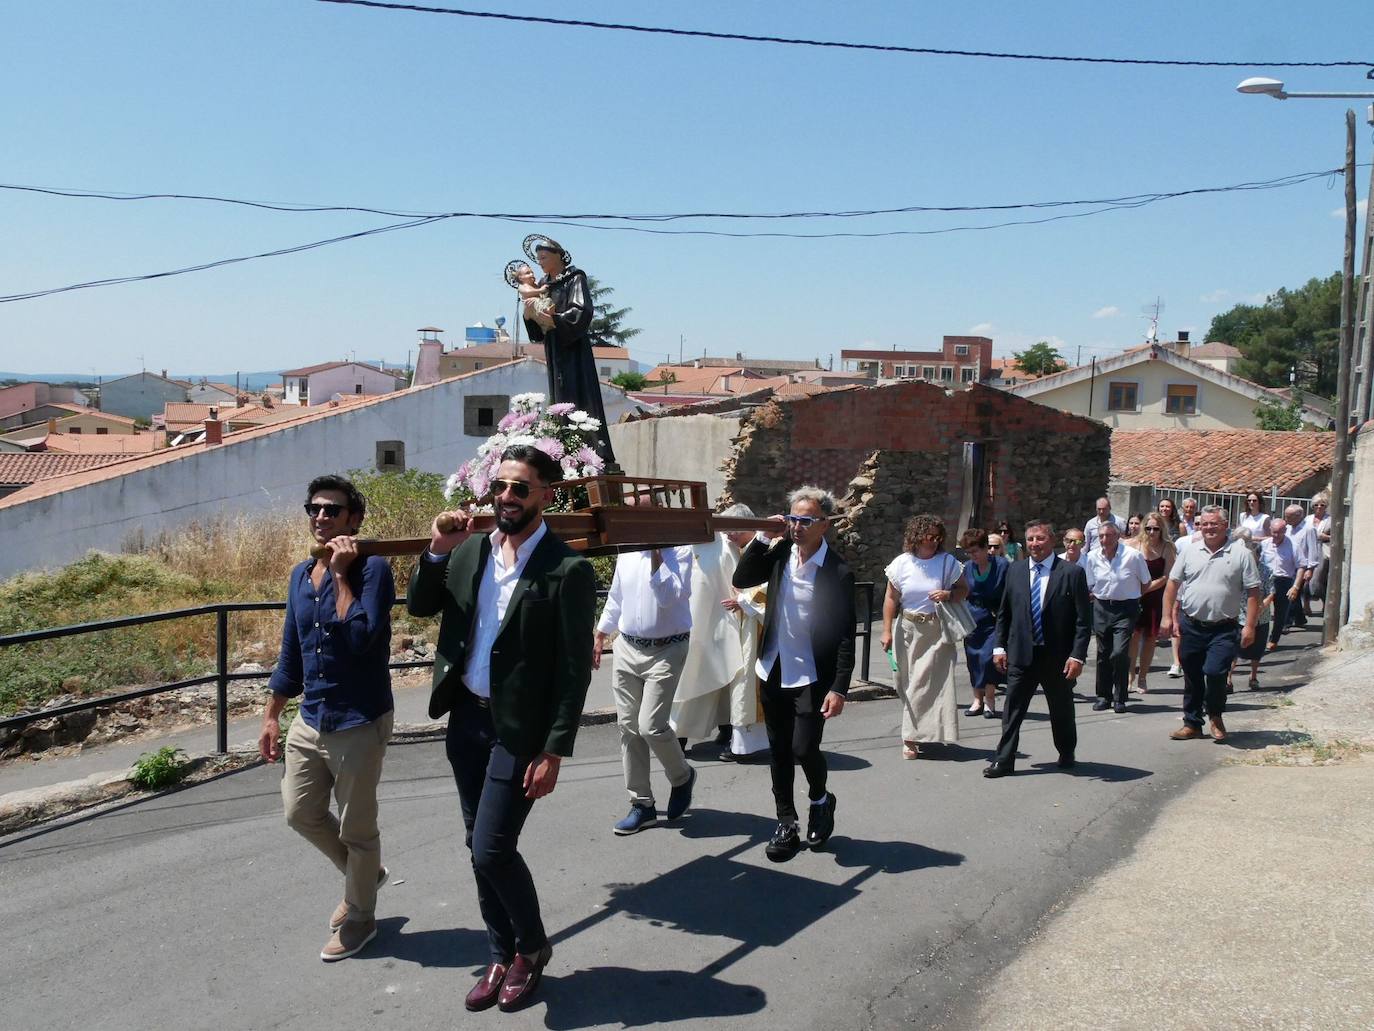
[(200, 909)]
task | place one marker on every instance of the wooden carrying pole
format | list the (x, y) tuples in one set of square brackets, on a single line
[(1333, 607)]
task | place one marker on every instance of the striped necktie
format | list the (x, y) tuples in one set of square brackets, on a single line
[(1037, 626)]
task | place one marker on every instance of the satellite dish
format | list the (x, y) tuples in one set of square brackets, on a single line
[(500, 322)]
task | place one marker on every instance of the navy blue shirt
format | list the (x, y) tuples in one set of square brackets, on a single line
[(340, 665)]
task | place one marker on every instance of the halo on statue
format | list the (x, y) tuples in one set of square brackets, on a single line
[(512, 267), (536, 240)]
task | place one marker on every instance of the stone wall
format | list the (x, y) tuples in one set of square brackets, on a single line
[(892, 451)]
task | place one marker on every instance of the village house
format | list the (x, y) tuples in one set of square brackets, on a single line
[(960, 361), (62, 419), (316, 384), (26, 397), (55, 519), (142, 394), (1161, 386)]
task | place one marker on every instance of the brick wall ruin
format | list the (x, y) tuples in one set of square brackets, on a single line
[(890, 452)]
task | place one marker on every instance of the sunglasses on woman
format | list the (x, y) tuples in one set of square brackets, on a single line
[(328, 508)]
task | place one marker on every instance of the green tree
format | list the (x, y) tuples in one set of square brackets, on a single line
[(1039, 359), (629, 380), (608, 325), (1293, 330), (1273, 414)]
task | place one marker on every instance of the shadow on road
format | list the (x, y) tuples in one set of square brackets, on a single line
[(621, 997), (1108, 772), (1253, 740), (453, 947)]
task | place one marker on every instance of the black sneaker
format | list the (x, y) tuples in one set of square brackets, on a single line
[(786, 843), (820, 822), (1101, 705)]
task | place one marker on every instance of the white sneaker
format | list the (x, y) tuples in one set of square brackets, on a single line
[(1175, 671)]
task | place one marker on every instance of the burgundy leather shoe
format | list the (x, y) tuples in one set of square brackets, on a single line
[(523, 979), (486, 991)]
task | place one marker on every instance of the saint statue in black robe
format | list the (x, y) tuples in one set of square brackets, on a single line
[(568, 344)]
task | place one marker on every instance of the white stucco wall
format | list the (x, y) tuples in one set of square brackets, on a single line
[(344, 380), (257, 471), (684, 447), (1360, 525), (1217, 407)]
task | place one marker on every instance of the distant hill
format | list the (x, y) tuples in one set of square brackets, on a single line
[(247, 380)]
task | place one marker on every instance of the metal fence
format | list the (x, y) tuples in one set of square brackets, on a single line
[(222, 677), (1233, 503)]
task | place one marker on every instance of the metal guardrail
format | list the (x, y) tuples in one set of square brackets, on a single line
[(222, 678)]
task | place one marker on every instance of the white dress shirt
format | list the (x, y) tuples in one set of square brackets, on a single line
[(1306, 547), (1257, 524), (790, 644), (1091, 527), (493, 597), (1082, 557), (1282, 557), (649, 603), (1119, 578)]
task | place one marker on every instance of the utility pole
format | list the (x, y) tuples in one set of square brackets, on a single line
[(1340, 470), (1364, 329)]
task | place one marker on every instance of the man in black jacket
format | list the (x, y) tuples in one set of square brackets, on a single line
[(806, 658), (1043, 629), (512, 667)]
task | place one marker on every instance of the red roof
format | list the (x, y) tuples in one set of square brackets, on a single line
[(1222, 460), (31, 466)]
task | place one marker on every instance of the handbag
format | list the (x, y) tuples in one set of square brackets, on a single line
[(956, 618)]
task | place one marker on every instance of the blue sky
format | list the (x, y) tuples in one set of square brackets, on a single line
[(297, 101)]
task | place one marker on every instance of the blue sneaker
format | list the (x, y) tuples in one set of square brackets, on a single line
[(680, 798), (639, 817)]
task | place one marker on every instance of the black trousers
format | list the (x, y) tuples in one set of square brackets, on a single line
[(1206, 653), (1282, 585), (794, 723), (1046, 672), (491, 791), (1113, 625)]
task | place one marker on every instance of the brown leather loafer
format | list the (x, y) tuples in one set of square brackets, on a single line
[(1218, 729), (486, 991), (523, 979), (1187, 732)]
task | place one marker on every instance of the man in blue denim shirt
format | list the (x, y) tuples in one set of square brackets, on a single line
[(335, 646)]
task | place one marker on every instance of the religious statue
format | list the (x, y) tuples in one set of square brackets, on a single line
[(558, 313)]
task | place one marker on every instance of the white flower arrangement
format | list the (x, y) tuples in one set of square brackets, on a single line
[(562, 431)]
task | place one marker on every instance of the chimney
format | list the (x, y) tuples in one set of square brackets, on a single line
[(1183, 336), (164, 373), (52, 425), (214, 431)]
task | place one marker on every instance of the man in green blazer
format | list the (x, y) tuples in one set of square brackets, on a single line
[(511, 669)]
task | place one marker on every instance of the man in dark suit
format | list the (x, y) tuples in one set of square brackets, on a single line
[(1043, 629), (511, 668), (806, 657)]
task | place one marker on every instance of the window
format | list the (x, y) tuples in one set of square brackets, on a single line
[(1181, 399), (927, 372), (961, 349), (1121, 397), (75, 429), (606, 371), (357, 388), (101, 429), (481, 413), (966, 374), (391, 456), (946, 373), (476, 366)]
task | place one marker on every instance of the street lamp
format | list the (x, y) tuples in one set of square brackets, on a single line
[(1337, 588)]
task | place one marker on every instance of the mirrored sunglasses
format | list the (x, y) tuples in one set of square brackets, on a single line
[(519, 488)]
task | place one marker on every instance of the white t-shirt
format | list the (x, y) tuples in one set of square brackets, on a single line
[(1258, 525), (917, 577)]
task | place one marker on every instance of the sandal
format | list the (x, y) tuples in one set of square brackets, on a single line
[(1141, 686), (910, 750), (1254, 683)]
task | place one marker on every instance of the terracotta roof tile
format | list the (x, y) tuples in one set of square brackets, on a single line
[(1221, 460), (1214, 349), (32, 466), (102, 444)]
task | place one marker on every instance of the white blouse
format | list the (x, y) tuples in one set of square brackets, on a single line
[(916, 577)]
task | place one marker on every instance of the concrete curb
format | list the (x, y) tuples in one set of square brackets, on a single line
[(22, 810)]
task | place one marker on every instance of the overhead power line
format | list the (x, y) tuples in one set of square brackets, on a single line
[(415, 220), (1129, 200), (890, 48)]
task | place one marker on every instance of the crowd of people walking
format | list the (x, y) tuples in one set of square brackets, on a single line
[(747, 640)]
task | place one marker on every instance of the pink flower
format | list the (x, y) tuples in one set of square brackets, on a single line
[(586, 456), (562, 408), (507, 421), (550, 447)]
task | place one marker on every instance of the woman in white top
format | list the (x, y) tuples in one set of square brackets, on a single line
[(1255, 520), (916, 579)]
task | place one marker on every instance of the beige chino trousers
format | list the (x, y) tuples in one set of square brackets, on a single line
[(348, 765), (644, 682)]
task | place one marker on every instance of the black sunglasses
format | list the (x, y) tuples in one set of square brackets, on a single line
[(328, 508), (519, 488)]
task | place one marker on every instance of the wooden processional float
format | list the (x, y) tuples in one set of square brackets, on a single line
[(623, 513)]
